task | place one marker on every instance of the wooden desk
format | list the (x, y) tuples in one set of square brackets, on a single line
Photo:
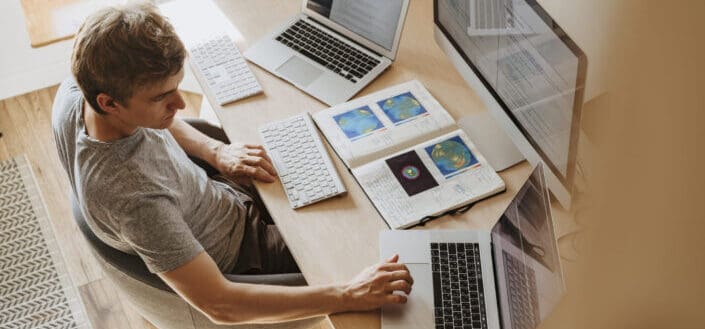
[(333, 240)]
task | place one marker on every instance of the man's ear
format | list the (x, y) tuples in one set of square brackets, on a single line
[(107, 103)]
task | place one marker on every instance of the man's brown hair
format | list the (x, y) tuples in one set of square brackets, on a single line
[(120, 49)]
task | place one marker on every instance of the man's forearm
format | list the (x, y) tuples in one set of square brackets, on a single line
[(193, 142), (248, 303), (201, 284)]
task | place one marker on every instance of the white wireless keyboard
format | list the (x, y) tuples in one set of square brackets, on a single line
[(301, 160), (226, 73)]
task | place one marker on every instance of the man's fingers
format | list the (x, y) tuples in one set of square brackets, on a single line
[(258, 153), (263, 175), (254, 146), (395, 299), (391, 267), (399, 285), (393, 259), (402, 275), (254, 161), (256, 173), (395, 276)]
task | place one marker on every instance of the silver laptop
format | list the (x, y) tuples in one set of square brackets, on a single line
[(508, 278), (332, 49)]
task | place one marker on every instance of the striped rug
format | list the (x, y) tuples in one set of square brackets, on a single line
[(35, 289)]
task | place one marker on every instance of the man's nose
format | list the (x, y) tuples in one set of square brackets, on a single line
[(178, 102)]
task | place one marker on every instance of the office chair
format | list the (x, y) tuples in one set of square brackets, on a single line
[(155, 300)]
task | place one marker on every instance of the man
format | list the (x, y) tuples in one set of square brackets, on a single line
[(127, 158)]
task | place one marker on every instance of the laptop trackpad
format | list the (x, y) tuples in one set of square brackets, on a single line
[(299, 71), (418, 311)]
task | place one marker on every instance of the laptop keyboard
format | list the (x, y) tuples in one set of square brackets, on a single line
[(327, 50), (521, 286), (458, 297)]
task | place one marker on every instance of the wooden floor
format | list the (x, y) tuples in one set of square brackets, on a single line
[(25, 123)]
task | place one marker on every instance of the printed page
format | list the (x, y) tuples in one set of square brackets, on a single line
[(428, 179), (382, 123)]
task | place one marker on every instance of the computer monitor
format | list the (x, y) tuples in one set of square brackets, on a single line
[(527, 71)]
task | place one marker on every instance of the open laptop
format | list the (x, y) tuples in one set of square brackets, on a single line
[(333, 48), (508, 278)]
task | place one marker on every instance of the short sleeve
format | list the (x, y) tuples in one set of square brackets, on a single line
[(157, 232), (65, 109)]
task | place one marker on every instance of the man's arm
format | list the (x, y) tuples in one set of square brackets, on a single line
[(234, 160), (194, 142), (201, 284)]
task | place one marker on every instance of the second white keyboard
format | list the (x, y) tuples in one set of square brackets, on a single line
[(301, 160), (226, 73)]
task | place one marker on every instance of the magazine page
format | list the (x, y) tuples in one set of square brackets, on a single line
[(428, 179), (382, 123)]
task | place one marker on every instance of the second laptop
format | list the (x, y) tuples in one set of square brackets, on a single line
[(333, 49)]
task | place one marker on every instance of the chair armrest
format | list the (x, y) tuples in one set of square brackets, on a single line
[(283, 279)]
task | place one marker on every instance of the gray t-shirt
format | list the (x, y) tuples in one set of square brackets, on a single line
[(142, 194)]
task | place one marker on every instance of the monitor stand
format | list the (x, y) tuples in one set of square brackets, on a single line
[(491, 140)]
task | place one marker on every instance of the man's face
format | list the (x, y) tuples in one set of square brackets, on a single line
[(155, 105)]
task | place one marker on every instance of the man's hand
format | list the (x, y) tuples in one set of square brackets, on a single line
[(243, 161), (375, 286)]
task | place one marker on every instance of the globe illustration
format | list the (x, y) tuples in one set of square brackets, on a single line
[(451, 156), (358, 122), (402, 107)]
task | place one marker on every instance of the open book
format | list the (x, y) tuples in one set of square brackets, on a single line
[(407, 153)]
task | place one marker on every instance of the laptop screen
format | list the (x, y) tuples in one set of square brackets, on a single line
[(527, 268), (372, 19)]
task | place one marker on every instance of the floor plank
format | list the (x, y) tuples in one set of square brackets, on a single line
[(133, 316), (105, 309)]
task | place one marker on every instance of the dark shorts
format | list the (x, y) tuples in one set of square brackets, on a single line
[(263, 250)]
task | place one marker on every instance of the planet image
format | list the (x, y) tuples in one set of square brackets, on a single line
[(402, 107), (358, 122), (410, 172), (451, 155)]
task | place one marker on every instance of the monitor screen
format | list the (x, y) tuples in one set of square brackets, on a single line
[(372, 19), (529, 65), (527, 269)]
